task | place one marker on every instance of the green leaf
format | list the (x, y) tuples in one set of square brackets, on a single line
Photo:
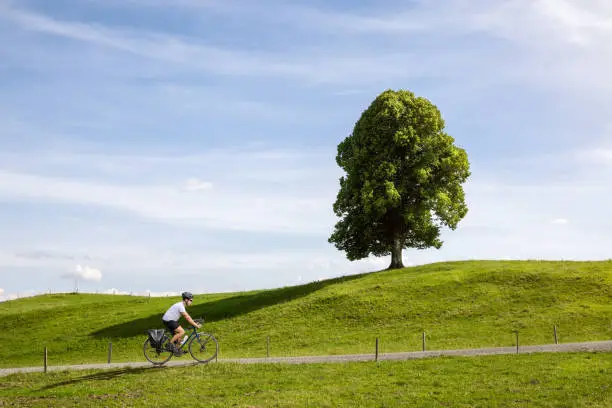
[(403, 179)]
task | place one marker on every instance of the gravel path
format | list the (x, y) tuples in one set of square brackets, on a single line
[(601, 346)]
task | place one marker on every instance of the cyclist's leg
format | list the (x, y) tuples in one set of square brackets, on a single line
[(178, 335), (174, 329)]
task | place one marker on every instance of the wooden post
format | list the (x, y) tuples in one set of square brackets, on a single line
[(45, 359), (110, 352), (517, 342), (268, 347), (423, 341), (555, 330), (377, 349)]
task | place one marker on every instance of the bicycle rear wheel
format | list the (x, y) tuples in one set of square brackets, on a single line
[(156, 355), (203, 347)]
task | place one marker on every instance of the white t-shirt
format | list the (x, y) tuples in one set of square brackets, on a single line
[(174, 313)]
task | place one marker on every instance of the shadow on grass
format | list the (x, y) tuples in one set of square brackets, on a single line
[(223, 309), (106, 375)]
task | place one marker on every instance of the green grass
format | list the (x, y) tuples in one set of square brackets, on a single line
[(458, 305), (539, 380)]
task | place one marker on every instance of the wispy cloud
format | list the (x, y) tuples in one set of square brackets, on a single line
[(151, 45), (193, 55), (164, 195), (567, 30), (559, 221), (299, 78), (195, 184), (573, 21), (304, 209), (262, 163), (602, 155), (552, 31), (228, 208), (142, 260)]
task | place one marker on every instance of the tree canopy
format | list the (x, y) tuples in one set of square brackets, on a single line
[(403, 179)]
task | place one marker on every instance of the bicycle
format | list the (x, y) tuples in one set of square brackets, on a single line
[(203, 347)]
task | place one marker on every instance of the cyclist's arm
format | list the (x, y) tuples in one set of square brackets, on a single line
[(189, 319)]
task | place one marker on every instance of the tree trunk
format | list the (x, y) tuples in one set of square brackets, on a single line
[(396, 254)]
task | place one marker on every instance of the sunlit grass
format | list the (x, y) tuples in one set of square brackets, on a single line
[(539, 380), (458, 305)]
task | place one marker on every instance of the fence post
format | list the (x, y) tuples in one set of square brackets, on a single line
[(45, 359), (110, 352), (517, 342), (555, 330), (377, 349), (423, 341)]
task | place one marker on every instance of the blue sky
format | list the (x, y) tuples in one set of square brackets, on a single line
[(158, 145)]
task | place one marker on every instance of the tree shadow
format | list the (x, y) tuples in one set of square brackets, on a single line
[(104, 375), (222, 309)]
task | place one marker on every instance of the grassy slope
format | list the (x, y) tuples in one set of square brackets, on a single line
[(544, 380), (459, 304)]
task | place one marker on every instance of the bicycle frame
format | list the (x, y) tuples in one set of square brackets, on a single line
[(194, 333), (201, 338)]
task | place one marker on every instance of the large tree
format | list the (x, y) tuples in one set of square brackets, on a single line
[(403, 179)]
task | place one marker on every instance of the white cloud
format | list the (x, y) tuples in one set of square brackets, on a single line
[(230, 208), (573, 31), (573, 21), (204, 264), (598, 155), (559, 221), (85, 273), (250, 197), (195, 184), (286, 191), (1, 291), (569, 21), (190, 53), (501, 212)]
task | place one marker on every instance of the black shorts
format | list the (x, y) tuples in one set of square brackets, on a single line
[(171, 325)]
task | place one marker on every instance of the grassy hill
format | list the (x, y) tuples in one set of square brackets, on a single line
[(457, 304)]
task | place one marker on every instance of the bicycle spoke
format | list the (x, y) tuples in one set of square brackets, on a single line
[(203, 347), (156, 355)]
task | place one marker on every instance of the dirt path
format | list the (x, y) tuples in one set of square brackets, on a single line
[(601, 346)]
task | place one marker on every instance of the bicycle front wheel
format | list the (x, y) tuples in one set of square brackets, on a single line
[(156, 355), (203, 347)]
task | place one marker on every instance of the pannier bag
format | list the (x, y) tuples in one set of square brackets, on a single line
[(157, 337)]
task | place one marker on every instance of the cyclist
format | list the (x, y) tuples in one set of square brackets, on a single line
[(172, 316)]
